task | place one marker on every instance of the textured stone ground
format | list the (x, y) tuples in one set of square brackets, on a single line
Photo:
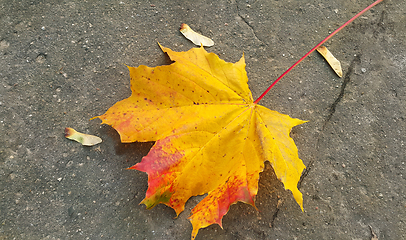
[(62, 62)]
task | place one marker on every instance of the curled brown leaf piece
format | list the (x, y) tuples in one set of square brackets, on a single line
[(334, 63)]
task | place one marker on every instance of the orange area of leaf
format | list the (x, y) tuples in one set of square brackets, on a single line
[(210, 136)]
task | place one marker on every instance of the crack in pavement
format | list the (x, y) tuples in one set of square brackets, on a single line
[(381, 27), (249, 25), (274, 216), (332, 110), (350, 71)]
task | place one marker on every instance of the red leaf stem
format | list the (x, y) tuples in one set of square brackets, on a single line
[(307, 54)]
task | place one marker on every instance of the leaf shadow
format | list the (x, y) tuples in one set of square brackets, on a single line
[(161, 59), (243, 220), (164, 59), (133, 152)]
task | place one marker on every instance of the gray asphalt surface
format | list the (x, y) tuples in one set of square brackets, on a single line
[(62, 62)]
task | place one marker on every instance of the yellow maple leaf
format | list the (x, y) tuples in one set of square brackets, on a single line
[(210, 135)]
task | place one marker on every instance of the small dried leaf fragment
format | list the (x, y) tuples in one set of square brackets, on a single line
[(334, 63), (84, 139), (195, 37)]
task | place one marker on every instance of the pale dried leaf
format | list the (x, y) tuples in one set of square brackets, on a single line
[(334, 63), (195, 37), (84, 139)]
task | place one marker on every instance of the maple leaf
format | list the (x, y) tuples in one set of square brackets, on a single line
[(210, 135)]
